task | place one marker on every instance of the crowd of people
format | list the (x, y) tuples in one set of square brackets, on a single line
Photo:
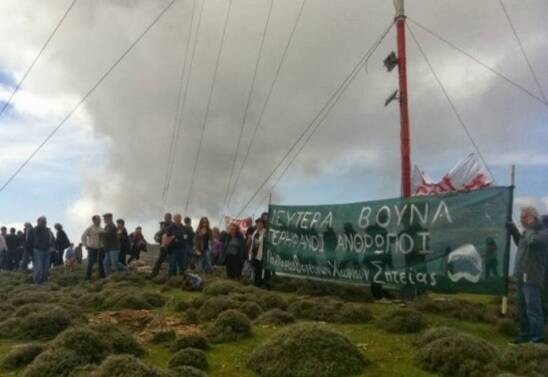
[(111, 248), (186, 249)]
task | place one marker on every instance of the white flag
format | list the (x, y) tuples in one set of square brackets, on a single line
[(467, 175)]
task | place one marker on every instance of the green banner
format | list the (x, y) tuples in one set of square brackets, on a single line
[(447, 243)]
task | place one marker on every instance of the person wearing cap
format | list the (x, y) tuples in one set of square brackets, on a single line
[(530, 272), (41, 242), (112, 246), (92, 239)]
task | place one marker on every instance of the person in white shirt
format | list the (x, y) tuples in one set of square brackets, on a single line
[(93, 241)]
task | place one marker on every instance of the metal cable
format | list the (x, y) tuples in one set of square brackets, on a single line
[(451, 103), (85, 97), (492, 70), (44, 46), (176, 118), (266, 102), (322, 114), (249, 97), (208, 107), (541, 91)]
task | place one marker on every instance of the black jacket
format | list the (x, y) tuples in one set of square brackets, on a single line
[(40, 238), (62, 241)]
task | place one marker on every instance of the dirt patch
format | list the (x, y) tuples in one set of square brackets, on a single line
[(145, 324)]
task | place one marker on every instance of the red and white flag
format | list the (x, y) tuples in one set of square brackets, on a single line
[(468, 175), (241, 222)]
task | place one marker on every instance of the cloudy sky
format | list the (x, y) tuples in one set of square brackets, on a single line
[(113, 152)]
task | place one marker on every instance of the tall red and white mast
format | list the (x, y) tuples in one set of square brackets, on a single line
[(404, 110)]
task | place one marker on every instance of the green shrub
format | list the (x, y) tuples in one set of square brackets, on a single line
[(127, 299), (84, 371), (6, 311), (154, 299), (120, 341), (89, 345), (459, 355), (275, 317), (454, 308), (507, 326), (354, 313), (190, 317), (186, 371), (313, 309), (435, 333), (20, 356), (229, 326), (125, 366), (526, 359), (307, 350), (27, 297), (402, 321), (189, 357), (270, 300), (163, 336), (199, 301), (44, 325), (214, 306), (251, 309), (190, 341), (53, 363), (222, 287)]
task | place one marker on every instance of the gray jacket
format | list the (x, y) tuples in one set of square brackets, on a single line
[(532, 256)]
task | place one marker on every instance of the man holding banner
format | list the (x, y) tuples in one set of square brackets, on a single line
[(531, 264)]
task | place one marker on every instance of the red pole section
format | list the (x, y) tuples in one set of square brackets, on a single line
[(404, 110)]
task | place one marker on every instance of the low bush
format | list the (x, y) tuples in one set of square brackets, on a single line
[(212, 307), (222, 287), (44, 325), (191, 357), (27, 297), (403, 321), (125, 366), (185, 371), (435, 333), (84, 371), (229, 326), (314, 309), (53, 363), (507, 326), (307, 350), (195, 340), (269, 300), (199, 301), (190, 317), (275, 317), (132, 299), (460, 355), (251, 309), (526, 359), (88, 344), (163, 336), (454, 308), (120, 341), (6, 311), (354, 313), (20, 356)]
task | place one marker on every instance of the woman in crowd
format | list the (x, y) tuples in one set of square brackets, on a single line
[(234, 252), (217, 247), (202, 244), (138, 244), (256, 249)]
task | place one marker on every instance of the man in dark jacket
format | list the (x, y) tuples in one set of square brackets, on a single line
[(12, 242), (123, 237), (164, 249), (112, 246), (61, 243), (40, 240), (530, 272)]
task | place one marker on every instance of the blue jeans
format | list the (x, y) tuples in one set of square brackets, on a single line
[(177, 260), (40, 266), (111, 260), (206, 261), (530, 313)]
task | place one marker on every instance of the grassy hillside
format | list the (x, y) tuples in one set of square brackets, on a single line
[(156, 312)]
